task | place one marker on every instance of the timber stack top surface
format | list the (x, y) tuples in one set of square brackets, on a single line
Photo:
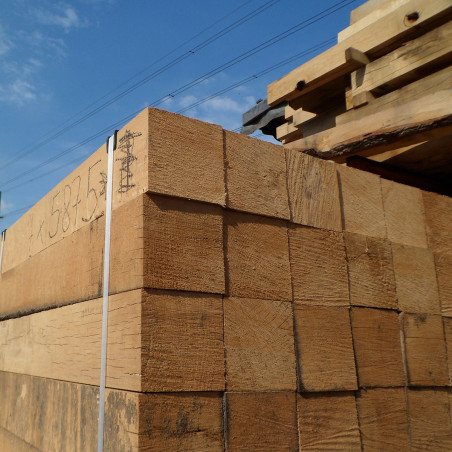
[(381, 98), (282, 305)]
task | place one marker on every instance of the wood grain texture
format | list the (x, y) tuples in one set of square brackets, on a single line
[(406, 63), (368, 12), (11, 443), (157, 341), (362, 203), (376, 340), (263, 421), (325, 350), (427, 85), (181, 421), (256, 176), (443, 264), (438, 218), (377, 38), (257, 253), (404, 213), (183, 152), (79, 199), (447, 321), (53, 415), (383, 419), (184, 245), (157, 241), (313, 191), (371, 271), (328, 422), (417, 289), (406, 123), (319, 267), (259, 344), (182, 346), (425, 350), (429, 418)]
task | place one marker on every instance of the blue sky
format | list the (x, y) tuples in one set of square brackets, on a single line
[(67, 65)]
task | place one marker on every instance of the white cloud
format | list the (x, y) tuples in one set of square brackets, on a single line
[(187, 100), (5, 207), (224, 110), (6, 44), (18, 92), (64, 16)]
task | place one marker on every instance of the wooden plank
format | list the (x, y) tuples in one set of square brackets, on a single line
[(48, 414), (288, 113), (328, 422), (448, 335), (324, 347), (438, 218), (376, 39), (300, 116), (157, 151), (186, 352), (259, 344), (434, 110), (319, 267), (263, 421), (383, 419), (430, 84), (287, 131), (371, 273), (257, 253), (370, 8), (425, 350), (443, 263), (417, 289), (53, 415), (362, 202), (158, 242), (10, 442), (376, 340), (256, 176), (408, 63), (404, 213), (79, 199), (183, 151), (313, 191), (429, 419)]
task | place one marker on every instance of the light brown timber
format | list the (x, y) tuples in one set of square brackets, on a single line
[(377, 38)]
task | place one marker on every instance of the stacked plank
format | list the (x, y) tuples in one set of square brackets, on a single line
[(384, 88), (260, 299)]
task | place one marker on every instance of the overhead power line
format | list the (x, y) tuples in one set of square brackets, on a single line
[(189, 107), (149, 77), (304, 24)]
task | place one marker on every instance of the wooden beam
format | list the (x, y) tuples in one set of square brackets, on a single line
[(413, 119), (378, 38), (368, 12), (428, 85), (43, 414), (152, 346), (355, 55), (405, 64)]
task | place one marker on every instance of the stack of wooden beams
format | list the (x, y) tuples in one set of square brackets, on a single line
[(384, 88), (260, 299)]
